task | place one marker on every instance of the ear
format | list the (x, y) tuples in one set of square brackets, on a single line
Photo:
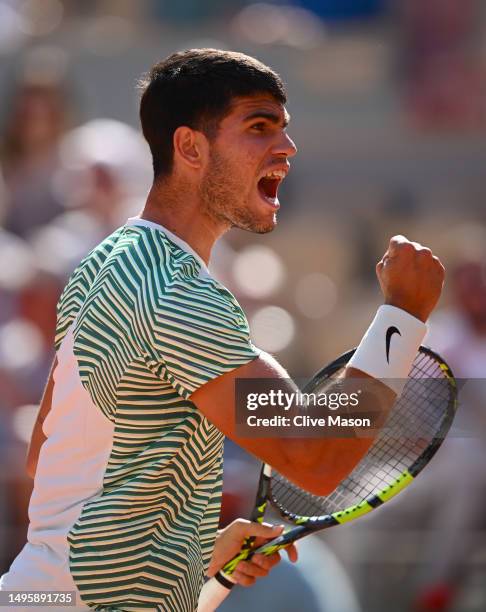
[(190, 147)]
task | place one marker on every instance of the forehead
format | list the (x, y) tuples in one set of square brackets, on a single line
[(250, 106)]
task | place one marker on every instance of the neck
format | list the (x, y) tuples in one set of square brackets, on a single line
[(181, 211)]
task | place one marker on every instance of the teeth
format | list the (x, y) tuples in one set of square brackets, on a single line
[(276, 174)]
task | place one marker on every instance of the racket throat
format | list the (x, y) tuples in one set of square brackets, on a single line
[(283, 540)]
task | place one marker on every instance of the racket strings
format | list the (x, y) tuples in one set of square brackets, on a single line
[(416, 419)]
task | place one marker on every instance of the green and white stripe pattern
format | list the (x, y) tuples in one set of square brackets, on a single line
[(151, 327)]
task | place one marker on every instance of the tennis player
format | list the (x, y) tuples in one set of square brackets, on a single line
[(126, 451)]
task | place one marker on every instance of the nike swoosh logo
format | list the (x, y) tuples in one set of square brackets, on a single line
[(389, 333)]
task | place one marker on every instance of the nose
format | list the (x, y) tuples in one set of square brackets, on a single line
[(286, 146)]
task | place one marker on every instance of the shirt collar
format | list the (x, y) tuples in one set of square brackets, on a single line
[(172, 237)]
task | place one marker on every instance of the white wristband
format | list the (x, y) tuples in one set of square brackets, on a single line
[(389, 347)]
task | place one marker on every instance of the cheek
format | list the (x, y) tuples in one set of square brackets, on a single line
[(239, 176), (238, 164), (248, 167)]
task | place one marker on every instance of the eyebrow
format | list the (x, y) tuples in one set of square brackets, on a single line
[(272, 117)]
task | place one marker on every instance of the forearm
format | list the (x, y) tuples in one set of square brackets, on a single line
[(315, 464), (320, 464), (411, 279)]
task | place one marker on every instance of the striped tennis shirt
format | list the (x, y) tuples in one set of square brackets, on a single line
[(127, 491)]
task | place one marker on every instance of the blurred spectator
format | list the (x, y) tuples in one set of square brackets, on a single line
[(460, 331), (459, 334), (34, 124), (442, 65), (28, 297), (103, 177)]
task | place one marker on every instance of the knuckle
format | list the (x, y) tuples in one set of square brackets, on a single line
[(240, 527), (403, 247), (258, 570), (260, 560), (245, 566), (242, 579), (424, 255), (269, 562)]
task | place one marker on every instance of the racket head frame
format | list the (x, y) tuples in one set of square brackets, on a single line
[(315, 523), (303, 525)]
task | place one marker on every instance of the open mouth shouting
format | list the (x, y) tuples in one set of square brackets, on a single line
[(268, 186)]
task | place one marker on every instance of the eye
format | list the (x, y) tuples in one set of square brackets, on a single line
[(259, 126)]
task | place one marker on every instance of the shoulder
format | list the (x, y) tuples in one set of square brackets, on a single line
[(94, 260), (199, 332), (80, 283), (204, 299), (153, 252)]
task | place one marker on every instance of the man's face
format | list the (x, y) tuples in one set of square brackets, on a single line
[(248, 160)]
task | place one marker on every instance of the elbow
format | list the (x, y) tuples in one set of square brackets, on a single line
[(313, 477), (308, 472), (321, 473), (320, 485), (323, 479), (322, 489)]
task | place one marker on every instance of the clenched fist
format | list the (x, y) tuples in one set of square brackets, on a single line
[(411, 277)]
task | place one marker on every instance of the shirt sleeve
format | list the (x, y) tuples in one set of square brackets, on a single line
[(79, 284), (200, 335), (72, 299)]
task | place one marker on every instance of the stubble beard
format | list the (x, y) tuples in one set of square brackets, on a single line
[(223, 199)]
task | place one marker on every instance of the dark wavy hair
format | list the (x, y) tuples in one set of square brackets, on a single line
[(196, 88)]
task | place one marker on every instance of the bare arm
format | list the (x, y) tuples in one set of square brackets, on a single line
[(38, 438), (411, 278), (317, 465)]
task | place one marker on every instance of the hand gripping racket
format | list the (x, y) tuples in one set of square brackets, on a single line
[(414, 430)]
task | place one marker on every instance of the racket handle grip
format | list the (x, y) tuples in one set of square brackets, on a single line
[(214, 592)]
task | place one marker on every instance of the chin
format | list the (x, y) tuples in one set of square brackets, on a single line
[(265, 229), (260, 228), (253, 219)]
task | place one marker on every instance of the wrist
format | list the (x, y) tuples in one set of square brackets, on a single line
[(389, 346), (421, 314)]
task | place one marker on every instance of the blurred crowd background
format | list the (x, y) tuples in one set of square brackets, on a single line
[(388, 105)]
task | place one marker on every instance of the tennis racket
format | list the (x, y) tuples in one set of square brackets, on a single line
[(415, 428)]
